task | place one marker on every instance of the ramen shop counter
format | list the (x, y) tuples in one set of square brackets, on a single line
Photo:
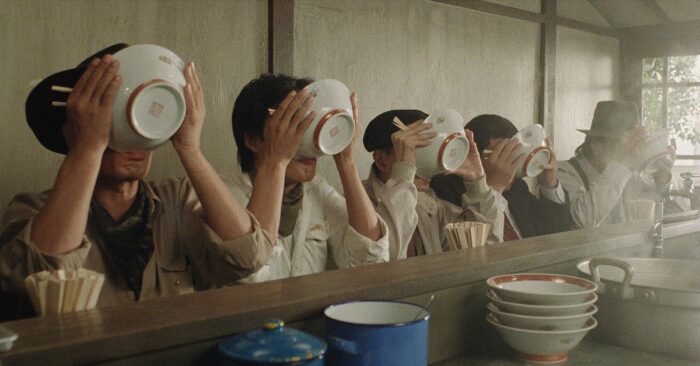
[(186, 329)]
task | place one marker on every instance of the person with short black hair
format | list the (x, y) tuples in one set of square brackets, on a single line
[(317, 228), (150, 239), (525, 215), (604, 177), (414, 214)]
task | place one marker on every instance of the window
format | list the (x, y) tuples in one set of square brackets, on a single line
[(671, 99)]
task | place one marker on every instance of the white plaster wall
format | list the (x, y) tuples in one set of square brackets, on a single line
[(587, 72), (419, 54), (226, 39)]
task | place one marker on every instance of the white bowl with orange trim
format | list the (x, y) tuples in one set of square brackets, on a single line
[(448, 150), (535, 155), (542, 288), (541, 310), (332, 129), (541, 346), (150, 105), (565, 322)]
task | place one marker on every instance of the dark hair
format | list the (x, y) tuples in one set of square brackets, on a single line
[(252, 106), (490, 126)]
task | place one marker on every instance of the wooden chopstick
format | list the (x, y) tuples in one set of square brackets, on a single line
[(397, 122), (58, 104), (63, 89)]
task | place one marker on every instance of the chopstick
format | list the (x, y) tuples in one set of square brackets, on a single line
[(63, 89), (57, 104), (397, 122)]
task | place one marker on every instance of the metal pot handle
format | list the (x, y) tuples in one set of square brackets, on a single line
[(627, 292)]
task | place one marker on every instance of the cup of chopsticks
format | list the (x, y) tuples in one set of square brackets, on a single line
[(58, 292)]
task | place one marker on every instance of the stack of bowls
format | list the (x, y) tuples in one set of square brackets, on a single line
[(541, 316)]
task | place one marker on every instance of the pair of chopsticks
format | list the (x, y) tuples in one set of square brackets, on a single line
[(62, 89), (400, 125)]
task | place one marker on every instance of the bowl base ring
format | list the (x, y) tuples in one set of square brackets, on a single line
[(542, 359)]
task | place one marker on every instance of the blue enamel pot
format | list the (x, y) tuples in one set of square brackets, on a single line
[(373, 333), (273, 345)]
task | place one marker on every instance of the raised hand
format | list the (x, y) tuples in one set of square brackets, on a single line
[(501, 163), (472, 168), (346, 155), (285, 127), (405, 142), (629, 150), (190, 133), (548, 177), (89, 106)]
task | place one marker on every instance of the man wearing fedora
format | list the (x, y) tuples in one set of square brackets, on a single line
[(604, 176), (414, 215), (317, 229), (150, 239), (524, 214)]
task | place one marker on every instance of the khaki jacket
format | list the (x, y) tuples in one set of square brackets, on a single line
[(610, 194), (187, 256), (322, 238), (421, 216)]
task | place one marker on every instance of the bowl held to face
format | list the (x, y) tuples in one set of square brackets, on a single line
[(535, 155), (150, 104), (333, 127), (448, 150), (653, 154)]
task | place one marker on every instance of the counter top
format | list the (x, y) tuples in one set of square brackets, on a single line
[(588, 353)]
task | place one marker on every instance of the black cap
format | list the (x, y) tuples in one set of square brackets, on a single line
[(379, 130), (45, 120)]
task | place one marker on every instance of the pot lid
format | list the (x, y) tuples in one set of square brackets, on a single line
[(274, 343)]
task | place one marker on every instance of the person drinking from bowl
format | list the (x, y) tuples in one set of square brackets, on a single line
[(150, 239), (316, 227), (414, 214), (606, 174), (524, 215)]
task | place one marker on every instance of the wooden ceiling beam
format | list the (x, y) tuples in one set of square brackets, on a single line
[(654, 6)]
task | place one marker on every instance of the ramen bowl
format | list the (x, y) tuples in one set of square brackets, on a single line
[(541, 346), (542, 288), (542, 310), (150, 105), (654, 153), (535, 155), (565, 322), (332, 129), (448, 150)]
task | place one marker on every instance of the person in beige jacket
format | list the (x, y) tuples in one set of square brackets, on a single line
[(149, 239), (414, 215), (317, 228)]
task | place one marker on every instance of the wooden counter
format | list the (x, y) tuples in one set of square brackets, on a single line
[(186, 329)]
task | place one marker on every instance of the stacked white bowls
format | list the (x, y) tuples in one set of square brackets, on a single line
[(542, 316)]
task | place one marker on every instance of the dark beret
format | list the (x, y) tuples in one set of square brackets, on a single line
[(45, 120), (379, 130)]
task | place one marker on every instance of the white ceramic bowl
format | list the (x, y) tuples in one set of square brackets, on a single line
[(541, 346), (448, 150), (656, 151), (541, 288), (535, 155), (150, 106), (567, 322), (332, 129), (542, 310)]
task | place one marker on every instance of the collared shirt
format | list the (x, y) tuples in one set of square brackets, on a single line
[(416, 218), (188, 255), (322, 238), (611, 191)]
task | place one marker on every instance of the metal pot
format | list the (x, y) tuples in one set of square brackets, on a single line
[(648, 304), (369, 333), (273, 345)]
